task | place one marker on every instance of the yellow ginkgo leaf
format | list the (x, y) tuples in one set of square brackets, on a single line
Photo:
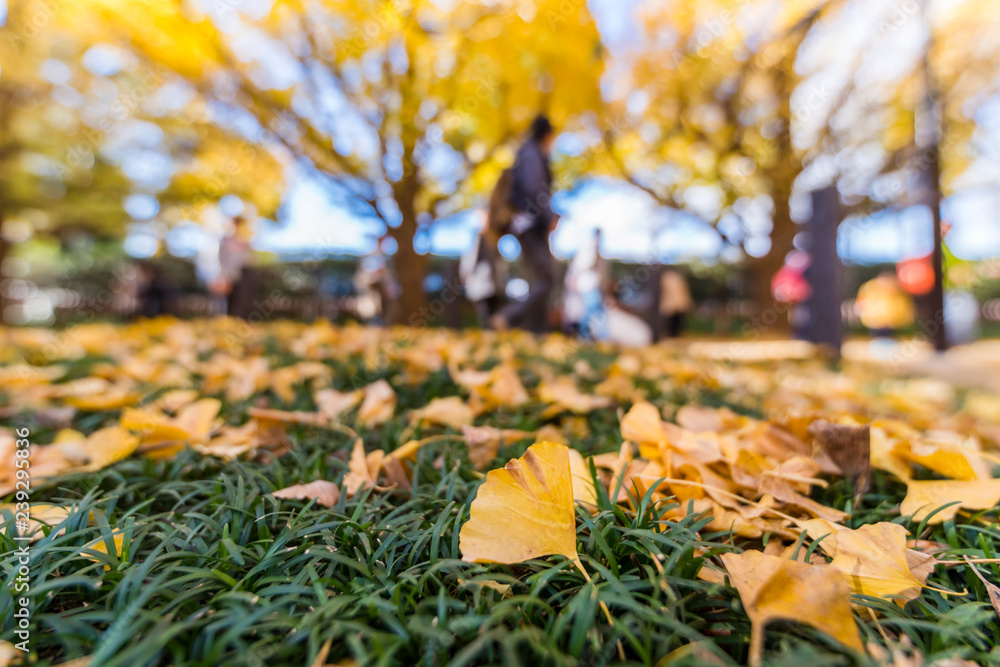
[(333, 403), (363, 470), (164, 436), (923, 497), (773, 588), (874, 561), (39, 514), (109, 445), (884, 457), (199, 417), (378, 405), (951, 461), (101, 546), (505, 387), (325, 493), (699, 419), (451, 411), (484, 442), (113, 400), (9, 654), (583, 483), (642, 424), (523, 510), (563, 394)]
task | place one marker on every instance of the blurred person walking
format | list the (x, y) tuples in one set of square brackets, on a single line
[(532, 221), (481, 273), (235, 282), (675, 302)]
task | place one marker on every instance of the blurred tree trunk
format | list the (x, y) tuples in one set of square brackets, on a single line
[(411, 267), (773, 315), (927, 133), (4, 248), (783, 168)]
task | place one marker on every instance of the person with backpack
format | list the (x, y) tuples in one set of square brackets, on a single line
[(524, 193)]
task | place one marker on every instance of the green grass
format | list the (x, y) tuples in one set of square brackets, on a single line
[(215, 571)]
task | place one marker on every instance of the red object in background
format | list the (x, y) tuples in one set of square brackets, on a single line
[(916, 276), (790, 286)]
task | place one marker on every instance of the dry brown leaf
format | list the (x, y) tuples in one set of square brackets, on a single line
[(850, 448), (991, 589), (325, 493)]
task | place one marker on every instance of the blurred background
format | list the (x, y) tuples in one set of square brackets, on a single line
[(781, 155)]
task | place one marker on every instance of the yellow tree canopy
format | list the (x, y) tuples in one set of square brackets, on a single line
[(409, 108)]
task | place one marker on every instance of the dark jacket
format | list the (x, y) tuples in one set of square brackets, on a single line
[(531, 192)]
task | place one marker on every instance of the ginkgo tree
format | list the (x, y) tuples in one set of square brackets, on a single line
[(75, 125), (406, 109)]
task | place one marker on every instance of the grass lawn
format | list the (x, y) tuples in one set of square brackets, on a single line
[(213, 570)]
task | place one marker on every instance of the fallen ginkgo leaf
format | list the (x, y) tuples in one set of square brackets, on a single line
[(924, 497), (773, 588), (524, 510), (874, 561)]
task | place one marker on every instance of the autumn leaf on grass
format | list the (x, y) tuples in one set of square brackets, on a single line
[(523, 510), (451, 411), (783, 491), (71, 451), (164, 436), (285, 380), (924, 497), (884, 456), (583, 483), (562, 394), (325, 493), (484, 442), (40, 514), (773, 588), (332, 403), (502, 388), (642, 425), (175, 399), (100, 545), (850, 448), (378, 405), (992, 590), (112, 398), (700, 419), (231, 442), (875, 561), (362, 469), (961, 462)]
